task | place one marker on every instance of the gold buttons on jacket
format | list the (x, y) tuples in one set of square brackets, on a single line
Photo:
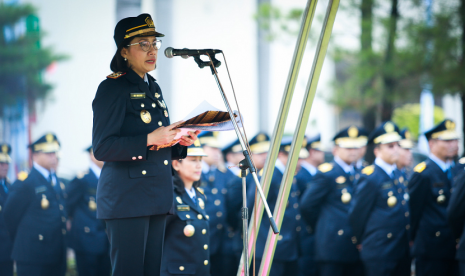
[(214, 191), (438, 234), (140, 157), (224, 191), (41, 238), (389, 235), (134, 158), (219, 226), (407, 226), (92, 204), (63, 231), (441, 199), (61, 207), (208, 217), (142, 105), (297, 217), (160, 123), (144, 172), (407, 214), (219, 214), (217, 202), (340, 232), (187, 216), (280, 237), (181, 268), (199, 216), (354, 240), (87, 229), (204, 231), (205, 262), (165, 162), (63, 219), (154, 105), (296, 205), (298, 228), (205, 246)]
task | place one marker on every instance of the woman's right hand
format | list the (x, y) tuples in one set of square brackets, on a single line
[(163, 135)]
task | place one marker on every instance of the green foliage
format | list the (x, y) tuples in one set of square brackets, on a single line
[(408, 116), (22, 60)]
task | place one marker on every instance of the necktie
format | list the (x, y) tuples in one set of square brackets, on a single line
[(194, 198), (449, 173), (55, 186), (4, 186)]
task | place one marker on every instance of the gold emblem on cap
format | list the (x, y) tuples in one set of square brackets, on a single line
[(407, 135), (450, 125), (389, 127), (304, 143), (178, 199), (49, 137), (341, 179), (201, 203), (166, 113), (145, 116), (4, 148), (149, 22), (353, 132), (189, 230), (44, 203), (392, 201), (197, 143), (92, 204), (261, 137)]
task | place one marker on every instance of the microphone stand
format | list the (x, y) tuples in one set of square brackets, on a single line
[(245, 164)]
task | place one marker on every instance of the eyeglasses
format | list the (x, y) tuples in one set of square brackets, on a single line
[(145, 45)]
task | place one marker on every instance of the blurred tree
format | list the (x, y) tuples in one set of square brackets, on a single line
[(408, 116), (22, 60)]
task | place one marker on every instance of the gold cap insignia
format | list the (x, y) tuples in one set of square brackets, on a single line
[(178, 199), (5, 149), (450, 125), (304, 143), (49, 137), (149, 22), (389, 127), (353, 132), (197, 143), (407, 135), (215, 134), (341, 179), (261, 137)]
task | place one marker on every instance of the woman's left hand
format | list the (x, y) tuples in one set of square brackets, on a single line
[(189, 140)]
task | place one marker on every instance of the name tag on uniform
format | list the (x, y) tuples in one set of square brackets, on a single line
[(183, 208), (41, 189), (137, 95), (386, 185)]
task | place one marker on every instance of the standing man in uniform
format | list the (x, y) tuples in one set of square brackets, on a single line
[(325, 207), (456, 217), (285, 262), (316, 156), (35, 215), (379, 221), (430, 192), (405, 160), (88, 237), (232, 154), (214, 181), (361, 163), (6, 263)]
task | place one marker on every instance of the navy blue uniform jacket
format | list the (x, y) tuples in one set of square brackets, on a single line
[(181, 254), (456, 214), (381, 229), (307, 238), (431, 234), (5, 240), (134, 181), (87, 233), (38, 234), (323, 210)]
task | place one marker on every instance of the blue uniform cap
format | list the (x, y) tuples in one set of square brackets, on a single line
[(314, 143), (406, 142), (286, 147), (443, 131), (5, 151), (352, 137), (196, 149), (386, 133), (234, 147), (48, 143), (209, 138), (260, 143)]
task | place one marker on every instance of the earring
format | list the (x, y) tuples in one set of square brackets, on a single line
[(125, 59)]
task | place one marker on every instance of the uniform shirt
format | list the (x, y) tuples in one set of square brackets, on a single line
[(309, 167), (324, 210), (95, 169), (388, 168), (46, 173)]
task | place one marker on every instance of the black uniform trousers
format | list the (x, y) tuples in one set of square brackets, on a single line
[(432, 267), (461, 268), (388, 268), (136, 245), (6, 268), (340, 269), (58, 269), (278, 268), (88, 264)]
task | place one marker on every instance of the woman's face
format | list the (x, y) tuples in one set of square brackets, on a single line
[(190, 168), (139, 60)]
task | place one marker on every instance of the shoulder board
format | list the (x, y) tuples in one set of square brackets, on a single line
[(200, 190), (22, 175), (420, 167), (260, 173), (116, 75), (325, 167), (462, 160), (368, 170), (80, 175)]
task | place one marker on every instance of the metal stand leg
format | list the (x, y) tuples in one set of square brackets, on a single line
[(245, 218)]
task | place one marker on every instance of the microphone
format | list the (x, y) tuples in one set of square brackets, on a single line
[(185, 53)]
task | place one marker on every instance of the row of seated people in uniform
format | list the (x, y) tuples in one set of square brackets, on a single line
[(341, 218)]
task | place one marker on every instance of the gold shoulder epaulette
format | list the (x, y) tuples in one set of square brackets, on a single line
[(420, 167), (116, 75), (462, 160), (368, 170), (22, 175), (200, 190), (325, 167)]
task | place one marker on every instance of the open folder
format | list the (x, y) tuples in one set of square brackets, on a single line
[(204, 117)]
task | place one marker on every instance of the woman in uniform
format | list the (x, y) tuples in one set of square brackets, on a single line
[(132, 134), (187, 238)]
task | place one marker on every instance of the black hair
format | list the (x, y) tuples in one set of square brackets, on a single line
[(179, 184), (118, 64)]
